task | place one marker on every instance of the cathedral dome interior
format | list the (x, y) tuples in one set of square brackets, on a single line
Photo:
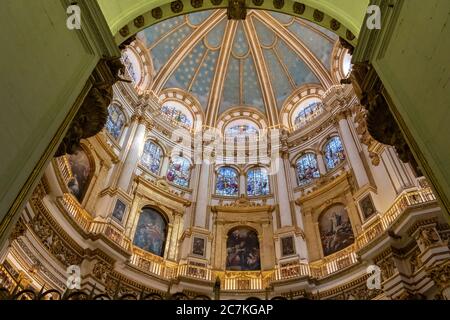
[(231, 152)]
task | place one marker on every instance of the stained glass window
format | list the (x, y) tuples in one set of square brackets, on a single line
[(307, 169), (257, 182), (241, 130), (334, 153), (151, 157), (129, 67), (308, 113), (174, 114), (227, 183), (179, 171), (115, 121)]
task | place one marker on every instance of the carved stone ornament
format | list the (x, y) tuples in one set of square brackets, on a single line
[(381, 124), (53, 242), (101, 271), (278, 4), (18, 231), (299, 8), (196, 4), (318, 16), (139, 22), (237, 10), (441, 275), (176, 6), (157, 13), (92, 115)]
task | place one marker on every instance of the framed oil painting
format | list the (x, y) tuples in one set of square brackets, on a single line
[(198, 246), (243, 250), (367, 207), (80, 168), (287, 246), (119, 211), (335, 229), (151, 232)]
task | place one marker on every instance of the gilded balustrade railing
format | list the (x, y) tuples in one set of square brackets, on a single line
[(248, 280), (405, 201)]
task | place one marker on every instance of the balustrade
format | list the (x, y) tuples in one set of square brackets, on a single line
[(251, 280)]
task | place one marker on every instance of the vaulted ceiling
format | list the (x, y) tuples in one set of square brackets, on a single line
[(257, 62)]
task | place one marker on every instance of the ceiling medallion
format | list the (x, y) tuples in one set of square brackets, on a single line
[(125, 31), (299, 8), (350, 35), (278, 4), (258, 3), (216, 2)]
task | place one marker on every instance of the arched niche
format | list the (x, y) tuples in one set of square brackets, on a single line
[(151, 231), (243, 214), (335, 229)]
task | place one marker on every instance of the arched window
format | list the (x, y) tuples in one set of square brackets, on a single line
[(241, 130), (80, 173), (335, 229), (257, 182), (334, 153), (227, 183), (179, 171), (307, 169), (151, 232), (174, 112), (151, 156), (243, 250), (115, 121), (308, 112)]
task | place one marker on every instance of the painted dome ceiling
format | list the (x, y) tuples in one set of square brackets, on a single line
[(257, 62)]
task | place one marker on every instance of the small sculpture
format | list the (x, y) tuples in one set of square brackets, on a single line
[(237, 10)]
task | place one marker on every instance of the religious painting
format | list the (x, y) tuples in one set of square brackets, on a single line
[(367, 207), (80, 169), (243, 250), (198, 246), (151, 232), (287, 246), (335, 230), (119, 210)]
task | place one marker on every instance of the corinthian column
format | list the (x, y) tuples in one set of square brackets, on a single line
[(132, 158), (352, 153), (202, 195), (283, 193)]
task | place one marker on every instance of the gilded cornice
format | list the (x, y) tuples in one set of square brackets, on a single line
[(163, 193), (327, 184)]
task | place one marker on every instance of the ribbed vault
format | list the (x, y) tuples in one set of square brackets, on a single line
[(256, 63)]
